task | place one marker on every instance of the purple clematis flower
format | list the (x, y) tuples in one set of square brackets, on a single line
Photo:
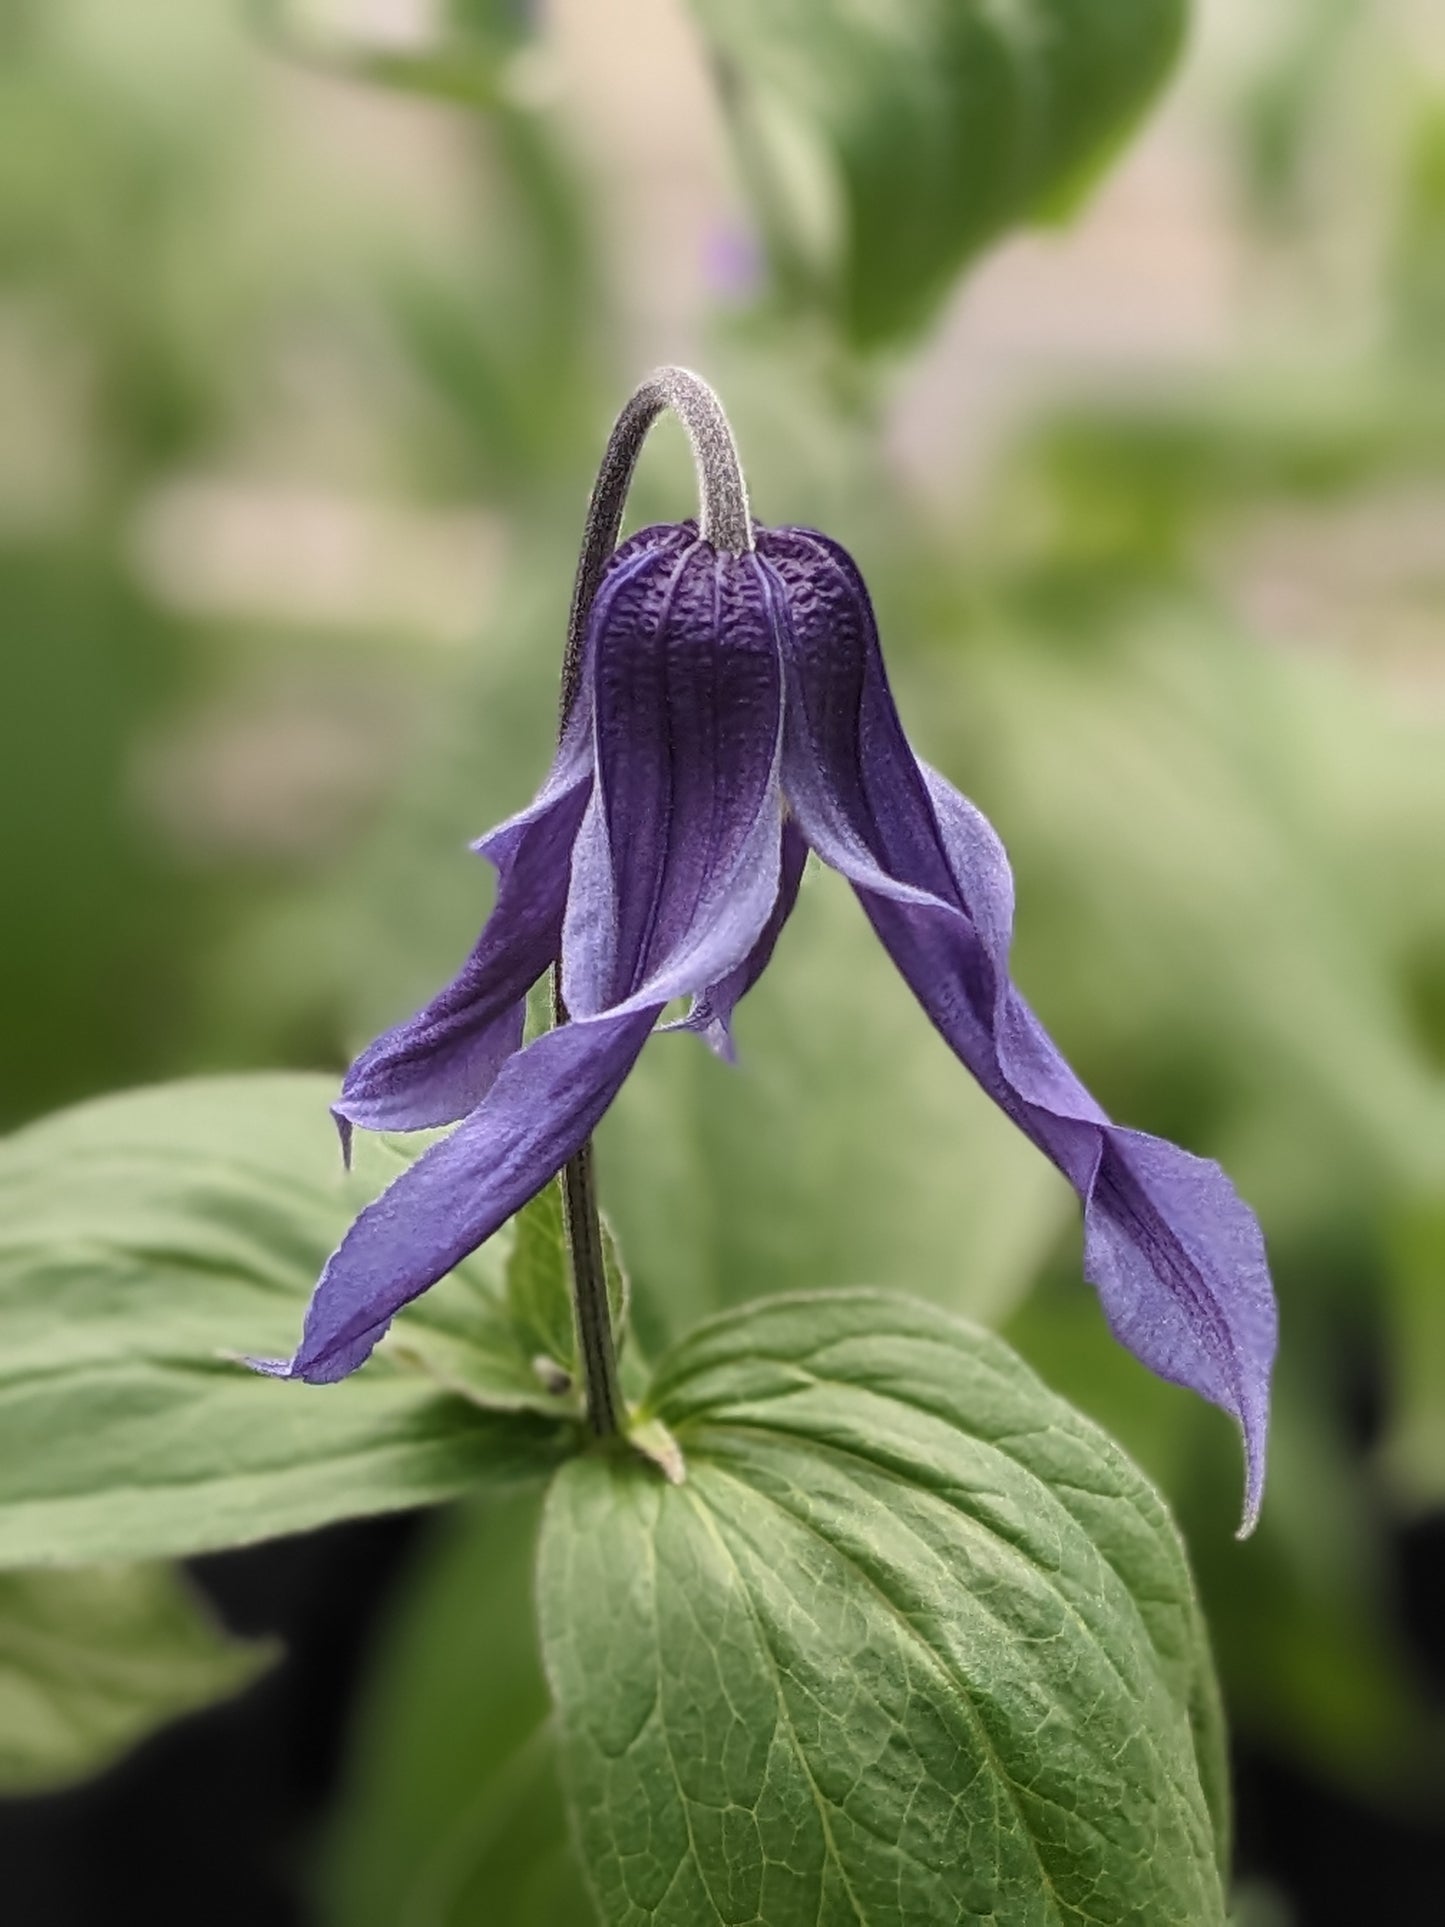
[(733, 713)]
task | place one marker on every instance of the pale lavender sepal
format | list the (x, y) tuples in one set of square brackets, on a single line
[(711, 1014)]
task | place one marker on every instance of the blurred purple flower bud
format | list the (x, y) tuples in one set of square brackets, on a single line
[(734, 265)]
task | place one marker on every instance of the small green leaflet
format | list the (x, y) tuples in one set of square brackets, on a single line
[(537, 1263), (92, 1661), (499, 1330), (885, 144), (145, 1241), (538, 1290), (913, 1645)]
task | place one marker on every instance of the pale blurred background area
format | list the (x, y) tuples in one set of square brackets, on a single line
[(313, 318)]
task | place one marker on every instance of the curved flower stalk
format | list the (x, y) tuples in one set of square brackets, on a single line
[(728, 712)]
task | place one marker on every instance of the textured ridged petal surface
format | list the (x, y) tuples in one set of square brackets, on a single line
[(676, 868)]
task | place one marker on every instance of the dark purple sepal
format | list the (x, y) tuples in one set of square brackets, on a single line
[(676, 864)]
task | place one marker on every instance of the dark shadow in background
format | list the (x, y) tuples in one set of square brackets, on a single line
[(212, 1822), (1342, 1864), (215, 1820)]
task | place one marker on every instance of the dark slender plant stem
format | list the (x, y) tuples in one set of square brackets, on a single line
[(724, 521)]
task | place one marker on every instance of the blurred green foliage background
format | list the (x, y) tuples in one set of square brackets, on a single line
[(312, 320)]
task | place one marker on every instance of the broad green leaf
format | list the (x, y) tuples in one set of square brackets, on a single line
[(913, 1644), (92, 1661), (939, 123), (147, 1240), (452, 1814)]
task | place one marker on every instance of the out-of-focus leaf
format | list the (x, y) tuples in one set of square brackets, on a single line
[(181, 221), (509, 345), (940, 124), (1127, 489), (1415, 1305), (1285, 110), (1258, 1904), (453, 1811), (92, 1661), (1419, 269), (912, 1643), (86, 902), (846, 1144), (466, 64), (1164, 786), (145, 1241)]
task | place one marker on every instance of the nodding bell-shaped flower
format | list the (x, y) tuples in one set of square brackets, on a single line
[(729, 712)]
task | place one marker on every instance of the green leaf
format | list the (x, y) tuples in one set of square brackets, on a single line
[(453, 1811), (938, 125), (92, 1661), (913, 1644), (147, 1240)]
